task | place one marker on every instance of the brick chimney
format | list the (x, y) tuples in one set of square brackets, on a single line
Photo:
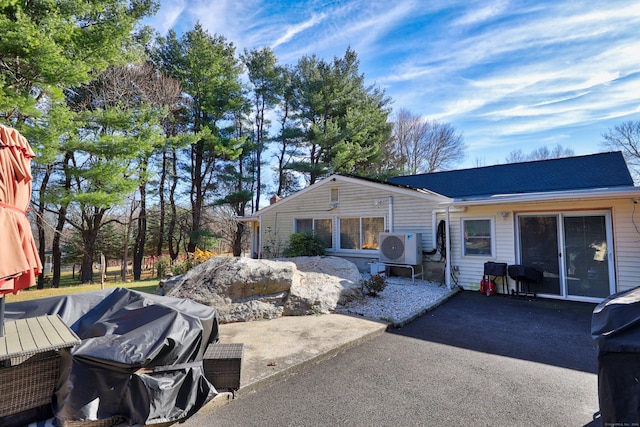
[(274, 199)]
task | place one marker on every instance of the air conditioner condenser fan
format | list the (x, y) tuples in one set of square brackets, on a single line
[(392, 247)]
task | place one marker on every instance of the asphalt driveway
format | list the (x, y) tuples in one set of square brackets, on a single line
[(474, 360), (539, 330)]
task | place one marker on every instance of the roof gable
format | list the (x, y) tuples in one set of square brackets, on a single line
[(601, 170), (367, 182)]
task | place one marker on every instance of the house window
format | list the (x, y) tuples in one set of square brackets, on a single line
[(478, 237), (304, 225), (360, 233), (321, 227), (335, 195)]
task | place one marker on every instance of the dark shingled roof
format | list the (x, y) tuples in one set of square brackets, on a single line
[(601, 170)]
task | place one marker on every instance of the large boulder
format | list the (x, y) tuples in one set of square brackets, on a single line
[(244, 289), (324, 283)]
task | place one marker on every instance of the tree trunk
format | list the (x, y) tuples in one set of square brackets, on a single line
[(162, 184), (125, 244), (141, 235), (86, 265), (237, 238), (86, 268), (42, 243), (259, 149), (196, 194), (89, 236), (171, 227), (56, 251), (313, 158)]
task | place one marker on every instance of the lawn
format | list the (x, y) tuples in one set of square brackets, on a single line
[(147, 285)]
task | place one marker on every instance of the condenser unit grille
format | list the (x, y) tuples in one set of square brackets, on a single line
[(392, 247), (400, 248)]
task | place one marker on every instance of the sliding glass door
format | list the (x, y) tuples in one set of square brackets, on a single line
[(539, 249), (586, 249), (573, 251)]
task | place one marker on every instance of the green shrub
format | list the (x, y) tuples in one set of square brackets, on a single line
[(304, 244), (375, 284)]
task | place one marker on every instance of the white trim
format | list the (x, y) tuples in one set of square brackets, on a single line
[(338, 248), (552, 196), (313, 220), (492, 235), (560, 215)]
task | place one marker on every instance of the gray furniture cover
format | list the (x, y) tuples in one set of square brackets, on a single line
[(140, 358), (615, 327)]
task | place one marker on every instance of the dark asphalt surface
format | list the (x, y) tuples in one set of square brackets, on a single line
[(473, 361)]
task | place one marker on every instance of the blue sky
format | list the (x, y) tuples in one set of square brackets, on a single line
[(507, 74)]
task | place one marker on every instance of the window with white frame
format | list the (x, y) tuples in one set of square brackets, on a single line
[(322, 227), (360, 233), (478, 237)]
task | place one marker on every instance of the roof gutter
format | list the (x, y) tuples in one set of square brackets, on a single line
[(590, 194)]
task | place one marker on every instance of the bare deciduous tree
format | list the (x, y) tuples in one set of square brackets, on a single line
[(541, 153), (625, 137), (423, 146)]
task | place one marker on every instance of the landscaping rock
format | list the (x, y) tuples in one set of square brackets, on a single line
[(324, 283), (245, 289)]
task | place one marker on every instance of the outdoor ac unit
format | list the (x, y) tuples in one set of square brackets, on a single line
[(401, 248)]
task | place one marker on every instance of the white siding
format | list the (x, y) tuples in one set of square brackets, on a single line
[(471, 268), (626, 238), (410, 213), (413, 213), (626, 226)]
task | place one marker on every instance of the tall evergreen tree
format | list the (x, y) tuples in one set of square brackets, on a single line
[(290, 135), (235, 179), (110, 159), (209, 73), (47, 134), (345, 121), (49, 45), (45, 48), (263, 76)]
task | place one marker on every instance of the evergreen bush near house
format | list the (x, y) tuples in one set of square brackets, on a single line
[(304, 244), (375, 284)]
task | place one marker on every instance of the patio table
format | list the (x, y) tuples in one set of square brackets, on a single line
[(30, 362)]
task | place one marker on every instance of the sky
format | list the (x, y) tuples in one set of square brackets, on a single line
[(508, 75)]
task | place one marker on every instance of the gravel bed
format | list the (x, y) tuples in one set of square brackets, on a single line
[(400, 302)]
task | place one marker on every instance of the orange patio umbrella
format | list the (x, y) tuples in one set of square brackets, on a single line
[(19, 260)]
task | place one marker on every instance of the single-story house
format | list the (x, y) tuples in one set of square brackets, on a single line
[(574, 219)]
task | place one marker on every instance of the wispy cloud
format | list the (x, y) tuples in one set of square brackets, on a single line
[(294, 30), (502, 70), (167, 17), (359, 24), (483, 14)]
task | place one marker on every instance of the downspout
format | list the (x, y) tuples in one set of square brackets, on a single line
[(447, 267), (260, 237), (434, 228), (390, 214)]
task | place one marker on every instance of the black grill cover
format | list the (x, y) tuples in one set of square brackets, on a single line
[(525, 273), (615, 327), (495, 268), (140, 357)]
